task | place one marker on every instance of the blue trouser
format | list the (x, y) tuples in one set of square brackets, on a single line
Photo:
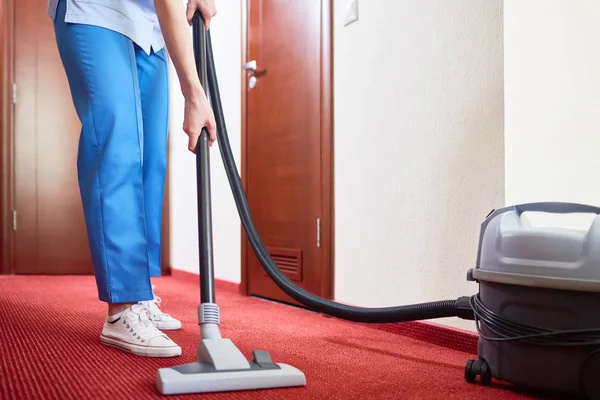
[(121, 96)]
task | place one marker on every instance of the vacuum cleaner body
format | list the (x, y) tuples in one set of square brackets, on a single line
[(538, 303)]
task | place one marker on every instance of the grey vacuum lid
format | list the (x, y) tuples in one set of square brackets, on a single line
[(511, 251)]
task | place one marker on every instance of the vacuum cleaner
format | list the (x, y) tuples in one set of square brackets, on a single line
[(534, 311)]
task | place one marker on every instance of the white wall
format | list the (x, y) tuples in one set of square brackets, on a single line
[(225, 35), (418, 146), (552, 83), (419, 104)]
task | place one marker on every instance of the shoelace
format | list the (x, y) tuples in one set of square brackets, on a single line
[(143, 325), (154, 306)]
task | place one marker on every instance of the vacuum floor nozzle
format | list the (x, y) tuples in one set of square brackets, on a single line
[(203, 377)]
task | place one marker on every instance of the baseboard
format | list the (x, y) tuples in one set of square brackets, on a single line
[(431, 332), (440, 335), (166, 270)]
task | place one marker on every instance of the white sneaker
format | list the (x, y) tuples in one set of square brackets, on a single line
[(133, 331), (161, 320)]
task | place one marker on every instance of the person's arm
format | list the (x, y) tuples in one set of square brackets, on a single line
[(174, 24)]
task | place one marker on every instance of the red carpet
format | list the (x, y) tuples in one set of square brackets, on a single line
[(49, 342)]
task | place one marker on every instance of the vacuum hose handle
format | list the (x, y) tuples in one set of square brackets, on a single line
[(200, 55)]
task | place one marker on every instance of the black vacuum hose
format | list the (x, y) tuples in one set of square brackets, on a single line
[(438, 309)]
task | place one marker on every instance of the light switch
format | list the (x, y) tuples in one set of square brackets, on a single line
[(351, 12)]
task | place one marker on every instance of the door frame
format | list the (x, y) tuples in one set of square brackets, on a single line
[(327, 153), (6, 136), (7, 152)]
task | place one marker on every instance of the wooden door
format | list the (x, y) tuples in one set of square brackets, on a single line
[(50, 235), (286, 143)]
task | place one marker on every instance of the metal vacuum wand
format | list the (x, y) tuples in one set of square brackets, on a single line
[(207, 292), (208, 311)]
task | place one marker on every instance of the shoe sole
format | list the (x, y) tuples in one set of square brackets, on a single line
[(167, 326), (144, 351)]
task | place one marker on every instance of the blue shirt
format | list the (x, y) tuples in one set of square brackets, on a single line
[(135, 19)]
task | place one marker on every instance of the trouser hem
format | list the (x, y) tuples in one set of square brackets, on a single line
[(126, 296)]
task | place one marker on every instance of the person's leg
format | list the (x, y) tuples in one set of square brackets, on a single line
[(153, 77), (102, 73), (100, 67)]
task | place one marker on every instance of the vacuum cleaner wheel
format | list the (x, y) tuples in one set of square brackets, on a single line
[(589, 377), (479, 368)]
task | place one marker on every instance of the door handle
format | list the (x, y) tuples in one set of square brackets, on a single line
[(250, 66)]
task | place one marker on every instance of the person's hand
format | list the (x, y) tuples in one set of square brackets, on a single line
[(206, 7), (197, 115)]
